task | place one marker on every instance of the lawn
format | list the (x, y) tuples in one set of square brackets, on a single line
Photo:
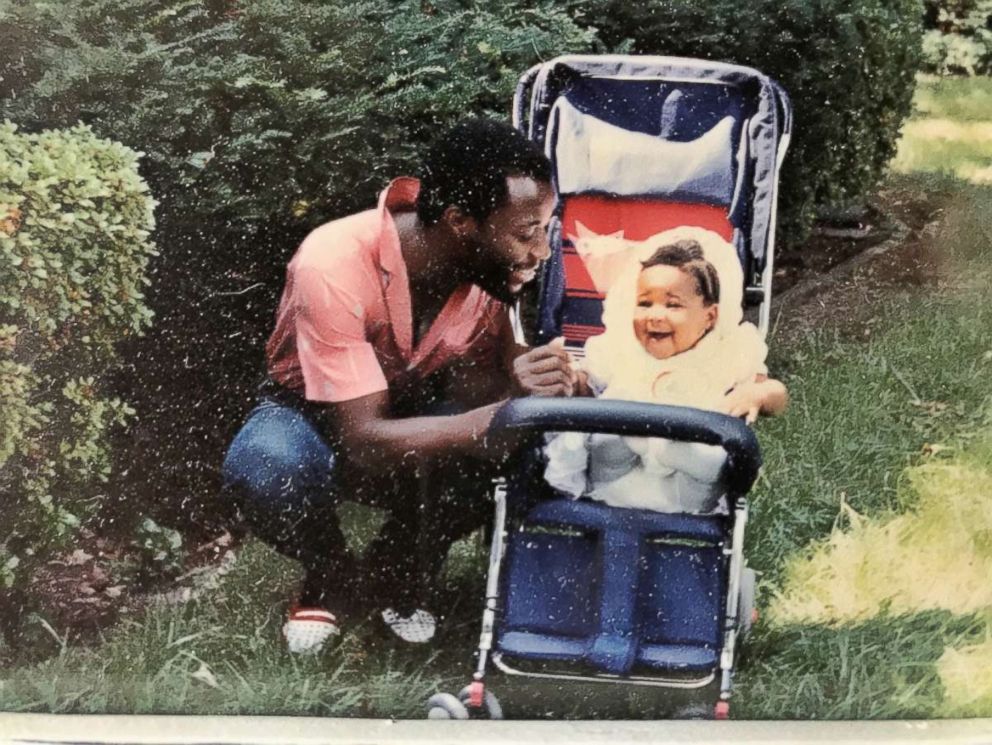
[(951, 132), (880, 390)]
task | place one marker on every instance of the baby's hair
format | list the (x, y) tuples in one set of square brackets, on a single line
[(687, 255)]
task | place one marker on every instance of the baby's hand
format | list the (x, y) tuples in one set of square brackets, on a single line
[(744, 400), (762, 396)]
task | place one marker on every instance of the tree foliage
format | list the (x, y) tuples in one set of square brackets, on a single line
[(259, 121), (958, 39)]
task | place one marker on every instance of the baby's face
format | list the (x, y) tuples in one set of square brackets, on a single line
[(670, 316)]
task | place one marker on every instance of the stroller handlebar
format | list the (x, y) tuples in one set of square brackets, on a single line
[(630, 418)]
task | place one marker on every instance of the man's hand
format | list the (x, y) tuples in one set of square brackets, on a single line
[(544, 371)]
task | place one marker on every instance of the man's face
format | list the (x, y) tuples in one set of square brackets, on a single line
[(513, 241)]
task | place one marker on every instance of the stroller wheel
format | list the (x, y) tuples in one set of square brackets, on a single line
[(445, 706), (746, 612), (490, 703)]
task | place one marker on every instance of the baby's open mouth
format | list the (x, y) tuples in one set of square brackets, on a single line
[(658, 335)]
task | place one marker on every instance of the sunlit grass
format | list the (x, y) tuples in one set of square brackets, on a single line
[(935, 556), (952, 130), (965, 672), (889, 616), (960, 99)]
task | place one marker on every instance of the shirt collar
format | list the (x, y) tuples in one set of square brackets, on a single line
[(399, 196)]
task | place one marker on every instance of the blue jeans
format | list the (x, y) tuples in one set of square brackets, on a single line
[(284, 473)]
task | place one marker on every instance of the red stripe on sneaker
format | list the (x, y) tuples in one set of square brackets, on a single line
[(313, 614)]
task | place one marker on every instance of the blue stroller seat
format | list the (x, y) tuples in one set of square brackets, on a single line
[(587, 583), (591, 591)]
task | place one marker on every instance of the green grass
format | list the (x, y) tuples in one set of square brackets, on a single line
[(862, 409), (961, 99), (884, 669), (150, 664)]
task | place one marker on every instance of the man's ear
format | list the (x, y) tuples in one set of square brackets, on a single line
[(461, 224)]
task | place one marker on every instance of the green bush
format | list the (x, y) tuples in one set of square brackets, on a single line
[(75, 220), (848, 66), (959, 37)]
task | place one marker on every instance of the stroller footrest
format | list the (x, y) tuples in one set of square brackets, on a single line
[(677, 657), (532, 646), (613, 653), (600, 652)]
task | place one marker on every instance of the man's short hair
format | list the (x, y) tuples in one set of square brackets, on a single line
[(469, 165)]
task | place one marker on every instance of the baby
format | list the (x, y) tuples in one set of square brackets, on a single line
[(672, 337)]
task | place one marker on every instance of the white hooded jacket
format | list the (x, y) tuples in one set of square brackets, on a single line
[(655, 473)]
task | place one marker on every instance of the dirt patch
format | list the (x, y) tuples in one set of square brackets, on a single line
[(86, 590), (845, 295), (831, 245)]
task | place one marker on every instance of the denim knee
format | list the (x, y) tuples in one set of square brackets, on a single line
[(279, 463)]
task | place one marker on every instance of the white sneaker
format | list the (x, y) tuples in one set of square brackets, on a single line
[(307, 630), (417, 628)]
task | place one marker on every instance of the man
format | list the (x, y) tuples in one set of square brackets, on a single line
[(391, 320)]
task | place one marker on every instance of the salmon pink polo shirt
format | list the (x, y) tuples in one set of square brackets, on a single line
[(344, 328)]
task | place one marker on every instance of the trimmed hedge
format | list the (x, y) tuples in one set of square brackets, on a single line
[(263, 119), (75, 220)]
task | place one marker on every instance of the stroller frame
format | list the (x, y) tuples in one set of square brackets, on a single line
[(762, 142), (533, 416)]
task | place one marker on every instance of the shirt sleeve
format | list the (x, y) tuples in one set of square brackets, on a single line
[(337, 360)]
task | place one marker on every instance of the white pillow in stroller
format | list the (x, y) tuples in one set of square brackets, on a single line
[(595, 156)]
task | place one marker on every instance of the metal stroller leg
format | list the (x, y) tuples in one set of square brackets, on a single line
[(492, 580), (731, 621), (478, 696), (475, 696)]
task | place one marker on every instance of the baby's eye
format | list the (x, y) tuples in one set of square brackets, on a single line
[(643, 303)]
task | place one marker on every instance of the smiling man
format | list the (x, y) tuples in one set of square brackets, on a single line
[(392, 320)]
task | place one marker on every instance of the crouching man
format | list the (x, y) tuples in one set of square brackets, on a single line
[(392, 350)]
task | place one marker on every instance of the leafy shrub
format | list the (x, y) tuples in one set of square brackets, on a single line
[(75, 220), (159, 547), (848, 66), (959, 37)]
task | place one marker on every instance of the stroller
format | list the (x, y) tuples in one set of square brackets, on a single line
[(577, 590)]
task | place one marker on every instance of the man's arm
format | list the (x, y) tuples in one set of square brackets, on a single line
[(374, 441)]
